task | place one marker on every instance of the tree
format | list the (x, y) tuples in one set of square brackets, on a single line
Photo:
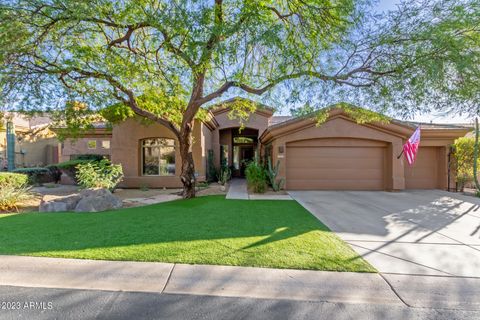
[(164, 61)]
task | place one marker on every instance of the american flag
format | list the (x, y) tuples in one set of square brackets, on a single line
[(410, 148)]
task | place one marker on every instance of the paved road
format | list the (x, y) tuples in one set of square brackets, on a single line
[(424, 232), (85, 304)]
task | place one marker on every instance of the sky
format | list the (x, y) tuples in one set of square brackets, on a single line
[(385, 5)]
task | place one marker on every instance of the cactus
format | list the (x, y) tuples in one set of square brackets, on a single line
[(272, 174), (224, 175)]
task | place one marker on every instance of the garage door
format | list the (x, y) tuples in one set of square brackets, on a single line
[(341, 165), (424, 173)]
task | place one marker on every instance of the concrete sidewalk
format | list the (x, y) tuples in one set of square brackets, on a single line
[(344, 287)]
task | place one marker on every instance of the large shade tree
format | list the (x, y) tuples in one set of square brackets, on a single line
[(164, 61)]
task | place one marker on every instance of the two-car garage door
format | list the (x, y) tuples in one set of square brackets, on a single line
[(354, 164), (335, 164)]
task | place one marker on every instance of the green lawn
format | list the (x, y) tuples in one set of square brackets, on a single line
[(205, 230)]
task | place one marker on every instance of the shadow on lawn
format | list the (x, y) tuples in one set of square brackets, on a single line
[(205, 218)]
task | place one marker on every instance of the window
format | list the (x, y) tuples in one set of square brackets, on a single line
[(158, 157), (92, 144), (106, 144), (243, 140)]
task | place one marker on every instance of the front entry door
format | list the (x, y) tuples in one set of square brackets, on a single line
[(246, 155)]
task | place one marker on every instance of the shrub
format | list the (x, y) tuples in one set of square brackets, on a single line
[(464, 155), (40, 175), (256, 177), (223, 175), (11, 196), (13, 179), (91, 157), (69, 167), (211, 170), (99, 174)]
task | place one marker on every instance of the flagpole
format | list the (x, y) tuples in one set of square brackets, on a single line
[(404, 149)]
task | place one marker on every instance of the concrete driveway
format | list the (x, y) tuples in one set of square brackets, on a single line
[(411, 232)]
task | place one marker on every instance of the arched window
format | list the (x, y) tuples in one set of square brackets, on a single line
[(158, 157)]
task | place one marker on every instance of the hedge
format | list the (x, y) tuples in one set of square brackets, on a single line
[(39, 175), (70, 167)]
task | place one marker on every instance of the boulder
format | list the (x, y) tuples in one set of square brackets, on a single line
[(52, 206), (60, 204), (94, 200), (88, 200)]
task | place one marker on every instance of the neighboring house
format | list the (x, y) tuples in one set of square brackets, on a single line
[(337, 155), (95, 141), (35, 144)]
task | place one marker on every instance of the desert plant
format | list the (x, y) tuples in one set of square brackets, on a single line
[(211, 170), (13, 179), (11, 196), (99, 174), (224, 174), (13, 190), (272, 174), (256, 177)]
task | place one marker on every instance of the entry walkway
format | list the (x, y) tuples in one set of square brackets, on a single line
[(238, 190)]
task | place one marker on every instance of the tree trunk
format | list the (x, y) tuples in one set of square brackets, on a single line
[(475, 158), (187, 175)]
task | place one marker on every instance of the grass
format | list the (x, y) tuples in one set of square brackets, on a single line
[(205, 230)]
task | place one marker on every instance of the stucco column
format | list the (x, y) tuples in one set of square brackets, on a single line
[(398, 167)]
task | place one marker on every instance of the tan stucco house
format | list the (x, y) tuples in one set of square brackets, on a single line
[(35, 144), (340, 154)]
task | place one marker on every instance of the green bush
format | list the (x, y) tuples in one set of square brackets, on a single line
[(11, 195), (91, 157), (211, 170), (16, 180), (69, 167), (224, 174), (256, 177), (99, 174), (463, 155), (40, 175)]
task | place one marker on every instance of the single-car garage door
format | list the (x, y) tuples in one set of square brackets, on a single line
[(425, 171), (335, 164)]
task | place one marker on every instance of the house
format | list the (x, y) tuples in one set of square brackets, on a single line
[(35, 144), (96, 141), (340, 154)]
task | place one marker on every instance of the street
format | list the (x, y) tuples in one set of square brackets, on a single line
[(91, 304)]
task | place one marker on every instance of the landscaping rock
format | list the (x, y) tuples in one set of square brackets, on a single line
[(94, 200), (52, 206), (88, 200), (60, 204)]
